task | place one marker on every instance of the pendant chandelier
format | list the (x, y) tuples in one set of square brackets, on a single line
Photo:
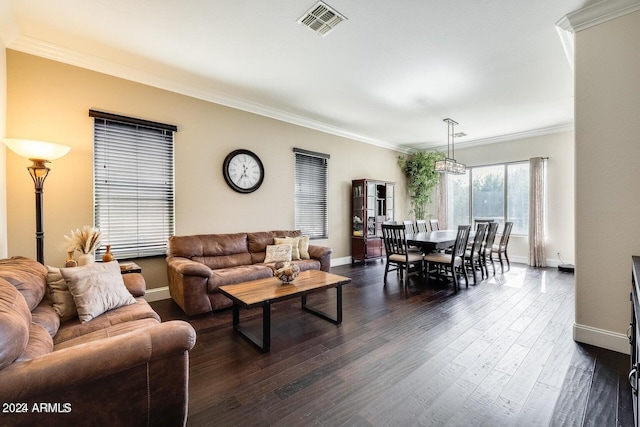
[(449, 164)]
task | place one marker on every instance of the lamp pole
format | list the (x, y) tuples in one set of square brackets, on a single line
[(39, 172)]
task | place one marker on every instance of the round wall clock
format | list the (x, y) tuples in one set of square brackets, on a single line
[(243, 171)]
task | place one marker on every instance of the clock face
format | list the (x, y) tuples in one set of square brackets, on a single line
[(243, 171)]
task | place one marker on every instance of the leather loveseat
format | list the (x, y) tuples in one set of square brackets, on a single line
[(198, 264), (122, 367)]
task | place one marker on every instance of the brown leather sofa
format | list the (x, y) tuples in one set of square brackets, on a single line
[(198, 264), (123, 367)]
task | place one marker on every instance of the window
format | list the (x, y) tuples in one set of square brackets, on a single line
[(311, 190), (133, 184), (497, 192)]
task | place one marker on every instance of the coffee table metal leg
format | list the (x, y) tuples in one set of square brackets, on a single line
[(263, 344), (337, 319), (266, 326)]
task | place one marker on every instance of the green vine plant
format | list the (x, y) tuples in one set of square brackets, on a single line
[(422, 178)]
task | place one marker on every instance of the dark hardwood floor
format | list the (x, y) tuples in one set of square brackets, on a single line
[(499, 353)]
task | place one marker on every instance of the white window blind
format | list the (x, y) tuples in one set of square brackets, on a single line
[(311, 193), (133, 184)]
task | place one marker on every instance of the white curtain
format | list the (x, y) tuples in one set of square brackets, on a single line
[(441, 202), (537, 252)]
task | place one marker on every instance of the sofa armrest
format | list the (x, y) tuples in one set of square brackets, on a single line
[(72, 367), (187, 267), (135, 284), (322, 254)]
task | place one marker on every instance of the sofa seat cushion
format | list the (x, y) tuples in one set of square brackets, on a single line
[(28, 276), (231, 276), (307, 264), (46, 316), (111, 331), (72, 328), (40, 343), (15, 320), (304, 264)]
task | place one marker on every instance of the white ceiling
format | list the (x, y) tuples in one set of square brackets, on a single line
[(388, 75)]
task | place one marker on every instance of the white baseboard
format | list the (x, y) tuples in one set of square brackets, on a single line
[(157, 294), (600, 338), (335, 262)]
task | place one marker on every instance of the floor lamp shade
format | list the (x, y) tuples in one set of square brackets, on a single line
[(38, 152)]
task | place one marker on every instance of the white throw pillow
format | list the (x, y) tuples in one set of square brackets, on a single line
[(303, 247), (278, 253), (97, 288), (293, 241), (62, 299)]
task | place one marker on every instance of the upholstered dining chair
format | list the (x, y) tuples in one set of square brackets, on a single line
[(453, 262), (501, 248), (487, 248), (399, 257), (421, 226), (433, 223), (408, 226), (472, 256)]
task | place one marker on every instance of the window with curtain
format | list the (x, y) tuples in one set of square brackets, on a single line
[(311, 193), (496, 192), (133, 184)]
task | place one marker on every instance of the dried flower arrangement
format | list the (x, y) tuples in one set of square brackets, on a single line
[(85, 240)]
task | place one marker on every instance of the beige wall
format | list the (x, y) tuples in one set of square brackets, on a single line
[(558, 147), (607, 100), (49, 100)]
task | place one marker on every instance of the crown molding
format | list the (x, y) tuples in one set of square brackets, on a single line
[(588, 17), (510, 137), (37, 47), (598, 13)]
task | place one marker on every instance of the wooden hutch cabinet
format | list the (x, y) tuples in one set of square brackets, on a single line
[(371, 205)]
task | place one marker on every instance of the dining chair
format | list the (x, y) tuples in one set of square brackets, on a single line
[(487, 248), (433, 223), (408, 226), (472, 256), (421, 225), (399, 257), (501, 248), (453, 262)]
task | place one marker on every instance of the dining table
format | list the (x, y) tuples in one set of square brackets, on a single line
[(431, 241)]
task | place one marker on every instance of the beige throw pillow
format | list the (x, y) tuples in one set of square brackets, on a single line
[(62, 299), (293, 241), (303, 247), (97, 288), (278, 253)]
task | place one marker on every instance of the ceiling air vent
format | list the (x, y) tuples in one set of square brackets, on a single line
[(321, 18)]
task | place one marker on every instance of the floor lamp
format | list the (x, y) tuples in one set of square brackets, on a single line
[(39, 152)]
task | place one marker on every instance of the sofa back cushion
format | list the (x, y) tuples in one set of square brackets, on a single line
[(28, 276), (213, 250), (258, 242), (15, 319)]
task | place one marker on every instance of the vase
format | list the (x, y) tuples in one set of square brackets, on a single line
[(86, 259), (70, 262), (108, 256)]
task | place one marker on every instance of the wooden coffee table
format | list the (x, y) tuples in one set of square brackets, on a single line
[(264, 292)]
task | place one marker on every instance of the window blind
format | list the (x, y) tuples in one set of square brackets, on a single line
[(311, 193), (133, 184)]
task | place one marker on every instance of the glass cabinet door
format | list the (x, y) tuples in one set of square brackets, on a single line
[(371, 209), (390, 205), (358, 210)]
